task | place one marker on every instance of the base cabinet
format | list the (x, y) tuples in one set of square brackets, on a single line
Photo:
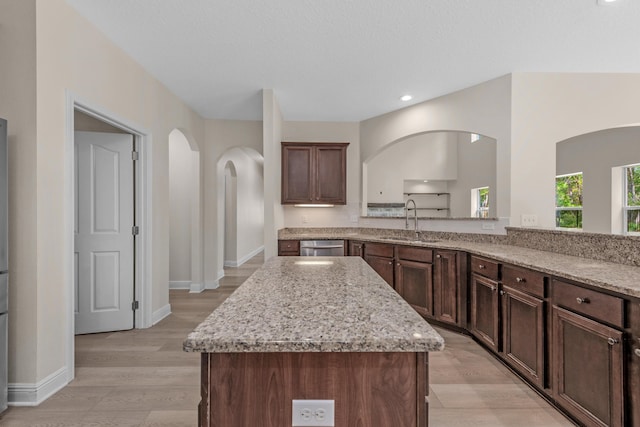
[(383, 266), (449, 298), (523, 334), (355, 248), (588, 376), (415, 284), (485, 314), (524, 322), (288, 248)]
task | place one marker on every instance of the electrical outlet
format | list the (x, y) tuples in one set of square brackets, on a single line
[(305, 219), (530, 220), (316, 413)]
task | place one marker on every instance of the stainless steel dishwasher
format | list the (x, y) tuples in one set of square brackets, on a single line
[(322, 248)]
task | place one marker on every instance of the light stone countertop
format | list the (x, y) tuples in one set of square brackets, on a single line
[(619, 278), (319, 304)]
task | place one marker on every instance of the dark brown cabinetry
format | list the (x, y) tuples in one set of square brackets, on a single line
[(314, 173), (523, 323), (380, 257), (588, 354), (449, 301), (485, 313), (288, 247), (355, 248), (414, 278)]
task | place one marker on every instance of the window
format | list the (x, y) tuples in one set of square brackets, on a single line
[(631, 206), (569, 201), (480, 202)]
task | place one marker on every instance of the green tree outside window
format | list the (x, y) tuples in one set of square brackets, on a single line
[(569, 201)]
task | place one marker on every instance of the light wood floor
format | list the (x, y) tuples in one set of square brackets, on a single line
[(143, 378)]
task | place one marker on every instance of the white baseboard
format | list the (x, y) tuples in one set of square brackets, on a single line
[(244, 259), (27, 394), (160, 314), (196, 288), (212, 284), (180, 284)]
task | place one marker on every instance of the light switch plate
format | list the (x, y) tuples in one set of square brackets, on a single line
[(313, 413)]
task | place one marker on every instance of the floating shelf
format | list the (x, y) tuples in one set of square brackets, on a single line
[(427, 194), (427, 203)]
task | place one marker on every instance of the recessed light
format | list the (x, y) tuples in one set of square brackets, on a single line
[(406, 98), (605, 2)]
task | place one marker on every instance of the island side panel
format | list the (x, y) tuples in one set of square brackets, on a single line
[(369, 389), (204, 407)]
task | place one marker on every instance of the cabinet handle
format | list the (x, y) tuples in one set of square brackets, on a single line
[(612, 341), (438, 256), (481, 266), (502, 292), (398, 264), (493, 288), (391, 262), (582, 300), (520, 279), (637, 352)]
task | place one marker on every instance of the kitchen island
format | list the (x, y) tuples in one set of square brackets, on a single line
[(314, 328)]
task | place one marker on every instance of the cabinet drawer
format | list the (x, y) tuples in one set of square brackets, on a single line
[(485, 267), (523, 280), (415, 254), (379, 249), (607, 308), (288, 246)]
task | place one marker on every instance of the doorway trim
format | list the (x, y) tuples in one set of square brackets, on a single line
[(143, 217)]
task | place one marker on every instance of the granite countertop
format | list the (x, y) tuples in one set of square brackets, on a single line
[(320, 304), (620, 278)]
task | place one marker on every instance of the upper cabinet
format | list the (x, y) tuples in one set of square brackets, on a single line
[(314, 173)]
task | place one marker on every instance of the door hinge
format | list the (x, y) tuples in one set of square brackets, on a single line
[(135, 305), (135, 230), (135, 155)]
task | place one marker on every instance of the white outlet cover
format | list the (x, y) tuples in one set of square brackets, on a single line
[(313, 413)]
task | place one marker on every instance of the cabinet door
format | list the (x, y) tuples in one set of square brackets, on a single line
[(588, 369), (331, 174), (297, 174), (356, 248), (383, 266), (523, 334), (485, 311), (415, 284), (446, 289)]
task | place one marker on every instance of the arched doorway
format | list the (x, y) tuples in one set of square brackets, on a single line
[(240, 206)]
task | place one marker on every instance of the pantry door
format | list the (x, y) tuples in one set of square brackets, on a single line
[(104, 234)]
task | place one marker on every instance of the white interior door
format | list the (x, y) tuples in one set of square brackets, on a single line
[(104, 242)]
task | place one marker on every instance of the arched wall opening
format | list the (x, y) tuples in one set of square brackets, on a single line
[(601, 157), (240, 206), (185, 218), (446, 163)]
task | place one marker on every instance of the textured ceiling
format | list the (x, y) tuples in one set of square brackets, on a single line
[(348, 60)]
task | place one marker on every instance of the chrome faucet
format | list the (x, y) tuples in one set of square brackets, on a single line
[(415, 216)]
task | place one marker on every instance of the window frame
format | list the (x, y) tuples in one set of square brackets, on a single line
[(625, 202)]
